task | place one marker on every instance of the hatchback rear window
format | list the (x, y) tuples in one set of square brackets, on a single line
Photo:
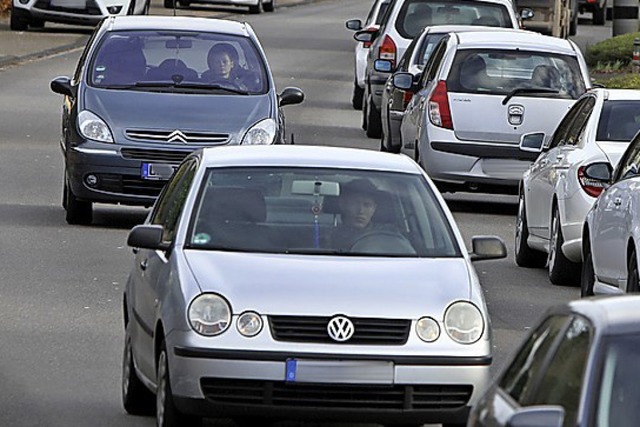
[(620, 121), (500, 72), (417, 14)]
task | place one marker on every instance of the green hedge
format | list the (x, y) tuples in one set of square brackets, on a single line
[(609, 51), (622, 81)]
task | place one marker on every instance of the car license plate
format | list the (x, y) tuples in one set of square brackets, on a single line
[(339, 371), (157, 171)]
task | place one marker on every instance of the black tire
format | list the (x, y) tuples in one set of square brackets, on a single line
[(633, 277), (374, 122), (169, 4), (256, 9), (587, 276), (36, 23), (356, 98), (598, 15), (167, 415), (269, 7), (364, 110), (136, 398), (18, 22), (525, 256), (562, 271), (78, 212)]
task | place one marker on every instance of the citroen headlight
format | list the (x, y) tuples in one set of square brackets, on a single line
[(209, 314), (93, 127), (464, 322), (427, 329), (249, 324), (262, 133)]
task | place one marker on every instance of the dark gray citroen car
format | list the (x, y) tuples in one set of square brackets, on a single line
[(149, 90)]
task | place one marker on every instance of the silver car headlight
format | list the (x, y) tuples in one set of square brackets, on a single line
[(262, 133), (209, 314), (93, 127), (427, 329), (249, 324), (464, 322)]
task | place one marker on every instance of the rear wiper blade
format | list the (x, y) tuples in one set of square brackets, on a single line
[(206, 86), (519, 90)]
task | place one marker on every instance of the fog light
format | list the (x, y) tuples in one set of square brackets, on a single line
[(114, 10), (91, 180)]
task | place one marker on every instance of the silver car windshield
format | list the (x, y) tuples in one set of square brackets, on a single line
[(619, 392), (320, 211), (504, 72), (619, 121), (178, 61)]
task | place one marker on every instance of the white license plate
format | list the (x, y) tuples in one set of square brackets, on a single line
[(339, 371), (157, 171)]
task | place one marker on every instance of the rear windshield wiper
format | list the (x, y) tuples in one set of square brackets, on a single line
[(520, 90), (206, 86)]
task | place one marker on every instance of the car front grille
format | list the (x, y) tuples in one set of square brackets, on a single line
[(357, 396), (314, 330), (176, 136), (129, 184), (166, 156), (91, 8)]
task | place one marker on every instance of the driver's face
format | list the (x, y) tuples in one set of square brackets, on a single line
[(357, 210), (221, 64)]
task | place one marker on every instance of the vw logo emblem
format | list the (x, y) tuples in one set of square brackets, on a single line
[(340, 329)]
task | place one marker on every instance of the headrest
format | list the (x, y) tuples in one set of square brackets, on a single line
[(385, 207), (234, 204)]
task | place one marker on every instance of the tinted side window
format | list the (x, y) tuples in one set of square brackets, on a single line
[(519, 378), (431, 67), (620, 121), (169, 206), (629, 165), (561, 382), (566, 124), (580, 121)]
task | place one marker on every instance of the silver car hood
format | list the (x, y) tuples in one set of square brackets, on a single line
[(324, 286)]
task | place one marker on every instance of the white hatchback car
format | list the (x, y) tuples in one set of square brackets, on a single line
[(34, 13), (479, 93), (404, 20), (308, 283), (555, 194), (611, 234), (372, 23)]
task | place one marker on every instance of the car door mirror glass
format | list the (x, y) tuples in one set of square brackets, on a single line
[(403, 81), (532, 142), (354, 24), (547, 416), (365, 36), (598, 171), (527, 13), (383, 65)]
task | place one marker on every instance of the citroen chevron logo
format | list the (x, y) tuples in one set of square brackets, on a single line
[(177, 136), (340, 329)]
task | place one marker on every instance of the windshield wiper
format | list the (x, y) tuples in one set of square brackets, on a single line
[(205, 86), (520, 90)]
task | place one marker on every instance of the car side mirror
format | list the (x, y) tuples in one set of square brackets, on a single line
[(354, 24), (147, 237), (532, 142), (527, 13), (487, 247), (291, 96), (537, 416), (366, 36), (403, 81), (62, 86), (383, 65), (601, 172)]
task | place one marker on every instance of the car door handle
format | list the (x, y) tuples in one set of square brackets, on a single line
[(144, 264)]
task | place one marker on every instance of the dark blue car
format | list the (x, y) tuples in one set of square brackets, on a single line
[(148, 91)]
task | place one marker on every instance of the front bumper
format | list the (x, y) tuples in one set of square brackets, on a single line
[(253, 383)]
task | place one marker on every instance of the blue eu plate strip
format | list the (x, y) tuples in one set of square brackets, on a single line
[(292, 365)]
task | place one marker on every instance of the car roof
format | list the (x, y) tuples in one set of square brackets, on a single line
[(307, 156), (179, 23), (522, 39), (610, 315), (443, 29), (617, 94)]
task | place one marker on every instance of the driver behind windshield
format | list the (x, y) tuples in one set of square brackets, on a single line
[(224, 66), (358, 202)]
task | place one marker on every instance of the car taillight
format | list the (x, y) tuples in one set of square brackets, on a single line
[(367, 45), (388, 50), (406, 98), (590, 186), (439, 112)]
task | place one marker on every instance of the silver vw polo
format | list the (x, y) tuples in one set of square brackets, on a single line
[(304, 282)]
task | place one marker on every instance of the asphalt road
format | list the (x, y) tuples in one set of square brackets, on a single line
[(61, 286)]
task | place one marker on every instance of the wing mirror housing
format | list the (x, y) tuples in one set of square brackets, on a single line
[(354, 24), (383, 65), (537, 416), (527, 13), (62, 85), (532, 142), (366, 36), (403, 81), (291, 96), (487, 247), (147, 237)]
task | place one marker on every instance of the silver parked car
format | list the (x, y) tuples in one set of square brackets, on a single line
[(555, 194), (304, 282), (479, 93), (611, 233), (577, 367)]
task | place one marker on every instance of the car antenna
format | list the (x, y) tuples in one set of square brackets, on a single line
[(293, 140)]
